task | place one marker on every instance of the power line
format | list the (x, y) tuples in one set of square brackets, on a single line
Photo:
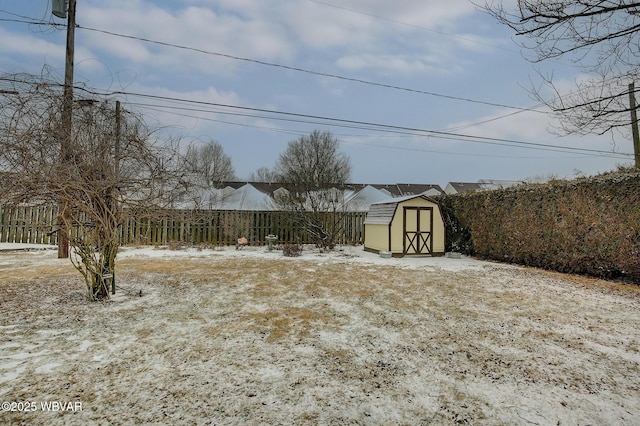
[(488, 120), (32, 21), (298, 117), (346, 123), (18, 16), (162, 108), (433, 151), (290, 68), (311, 72)]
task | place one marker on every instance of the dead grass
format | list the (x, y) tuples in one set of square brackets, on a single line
[(293, 341)]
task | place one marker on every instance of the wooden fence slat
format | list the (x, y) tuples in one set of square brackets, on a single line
[(13, 225), (37, 225), (4, 228)]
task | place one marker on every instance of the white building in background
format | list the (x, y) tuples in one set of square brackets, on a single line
[(260, 196), (481, 185), (246, 198), (361, 200)]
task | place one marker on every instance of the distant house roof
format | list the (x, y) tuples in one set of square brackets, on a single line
[(407, 189), (265, 187), (402, 189), (239, 195), (488, 184), (462, 187), (395, 189), (361, 200), (246, 197), (481, 185), (199, 198)]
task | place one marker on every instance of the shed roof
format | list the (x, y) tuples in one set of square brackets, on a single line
[(381, 213)]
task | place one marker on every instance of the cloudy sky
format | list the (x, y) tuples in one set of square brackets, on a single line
[(417, 91)]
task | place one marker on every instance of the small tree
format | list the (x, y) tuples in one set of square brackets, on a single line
[(199, 170), (208, 164), (111, 164), (263, 174), (315, 174)]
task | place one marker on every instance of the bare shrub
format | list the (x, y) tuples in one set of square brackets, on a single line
[(111, 162), (292, 250)]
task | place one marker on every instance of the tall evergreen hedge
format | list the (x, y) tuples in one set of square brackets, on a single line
[(586, 226)]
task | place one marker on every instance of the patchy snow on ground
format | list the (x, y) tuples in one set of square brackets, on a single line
[(225, 336), (350, 254)]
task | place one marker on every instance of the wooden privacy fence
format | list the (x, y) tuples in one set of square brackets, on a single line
[(32, 225), (37, 225)]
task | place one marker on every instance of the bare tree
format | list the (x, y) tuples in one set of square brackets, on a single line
[(208, 164), (263, 174), (601, 37), (112, 163), (315, 173)]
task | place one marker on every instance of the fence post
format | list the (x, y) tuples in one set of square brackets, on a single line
[(2, 224)]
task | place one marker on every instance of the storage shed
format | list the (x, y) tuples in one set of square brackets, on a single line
[(404, 226)]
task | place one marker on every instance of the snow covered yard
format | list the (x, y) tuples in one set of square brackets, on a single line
[(252, 337)]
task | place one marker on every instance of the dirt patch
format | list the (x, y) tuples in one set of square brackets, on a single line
[(243, 339)]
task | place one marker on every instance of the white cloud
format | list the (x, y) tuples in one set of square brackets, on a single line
[(530, 127), (169, 113), (439, 46), (192, 27), (283, 30), (24, 46), (391, 64)]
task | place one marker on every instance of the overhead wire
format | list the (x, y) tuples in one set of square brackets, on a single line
[(345, 123), (270, 114), (485, 121), (307, 71), (160, 108), (364, 125), (288, 67), (444, 134)]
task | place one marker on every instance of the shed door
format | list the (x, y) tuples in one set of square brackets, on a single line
[(418, 227)]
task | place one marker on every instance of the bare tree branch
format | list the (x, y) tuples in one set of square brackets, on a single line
[(602, 37)]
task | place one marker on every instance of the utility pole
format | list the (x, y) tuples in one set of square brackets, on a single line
[(117, 144), (634, 124), (116, 171), (67, 119)]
